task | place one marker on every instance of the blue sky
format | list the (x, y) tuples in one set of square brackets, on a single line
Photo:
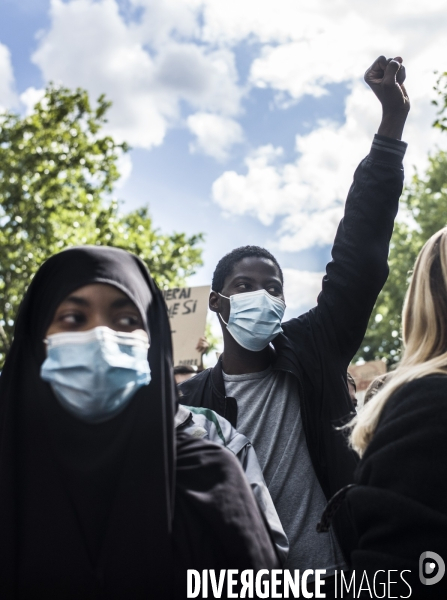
[(246, 118)]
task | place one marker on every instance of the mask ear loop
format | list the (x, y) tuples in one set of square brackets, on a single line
[(221, 318), (219, 315)]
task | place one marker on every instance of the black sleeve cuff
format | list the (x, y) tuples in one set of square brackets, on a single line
[(388, 149)]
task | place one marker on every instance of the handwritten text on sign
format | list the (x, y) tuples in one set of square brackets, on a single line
[(187, 309)]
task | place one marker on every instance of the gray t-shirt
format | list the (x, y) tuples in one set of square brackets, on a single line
[(269, 415)]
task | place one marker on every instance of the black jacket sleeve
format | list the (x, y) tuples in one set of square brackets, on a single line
[(399, 508), (359, 268)]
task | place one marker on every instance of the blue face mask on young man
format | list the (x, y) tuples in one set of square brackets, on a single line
[(255, 319), (95, 373)]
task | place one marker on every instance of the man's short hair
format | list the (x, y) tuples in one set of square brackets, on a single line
[(226, 264)]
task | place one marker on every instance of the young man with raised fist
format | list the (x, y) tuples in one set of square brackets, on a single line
[(283, 385)]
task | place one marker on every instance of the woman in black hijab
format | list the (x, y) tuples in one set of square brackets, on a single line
[(109, 504)]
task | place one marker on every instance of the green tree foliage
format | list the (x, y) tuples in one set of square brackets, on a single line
[(57, 174), (423, 212), (441, 102)]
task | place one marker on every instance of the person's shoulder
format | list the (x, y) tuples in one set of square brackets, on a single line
[(192, 384), (206, 455), (419, 398), (412, 425), (431, 387)]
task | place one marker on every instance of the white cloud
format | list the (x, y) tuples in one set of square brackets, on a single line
[(124, 166), (8, 96), (215, 134), (89, 44), (284, 21), (307, 193), (205, 78), (305, 47), (280, 21), (308, 65), (301, 289), (162, 20), (30, 97), (175, 62), (266, 191), (305, 230)]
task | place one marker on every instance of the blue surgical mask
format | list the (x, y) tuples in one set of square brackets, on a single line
[(95, 373), (255, 319)]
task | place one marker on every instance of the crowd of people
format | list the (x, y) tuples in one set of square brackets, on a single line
[(116, 479)]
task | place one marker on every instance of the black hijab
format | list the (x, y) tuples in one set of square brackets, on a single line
[(85, 509)]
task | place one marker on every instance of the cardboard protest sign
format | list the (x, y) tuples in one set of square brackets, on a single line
[(187, 309)]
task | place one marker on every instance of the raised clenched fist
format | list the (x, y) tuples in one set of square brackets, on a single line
[(386, 78)]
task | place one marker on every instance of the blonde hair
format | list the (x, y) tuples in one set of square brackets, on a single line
[(424, 333)]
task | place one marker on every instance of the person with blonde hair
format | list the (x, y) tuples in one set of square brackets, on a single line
[(399, 505)]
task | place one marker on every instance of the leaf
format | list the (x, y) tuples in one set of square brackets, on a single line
[(57, 175)]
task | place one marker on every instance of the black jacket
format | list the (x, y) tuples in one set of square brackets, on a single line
[(318, 346), (399, 507)]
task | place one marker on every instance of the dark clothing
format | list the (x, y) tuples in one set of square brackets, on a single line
[(318, 346), (77, 500), (86, 510), (217, 524), (399, 507)]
